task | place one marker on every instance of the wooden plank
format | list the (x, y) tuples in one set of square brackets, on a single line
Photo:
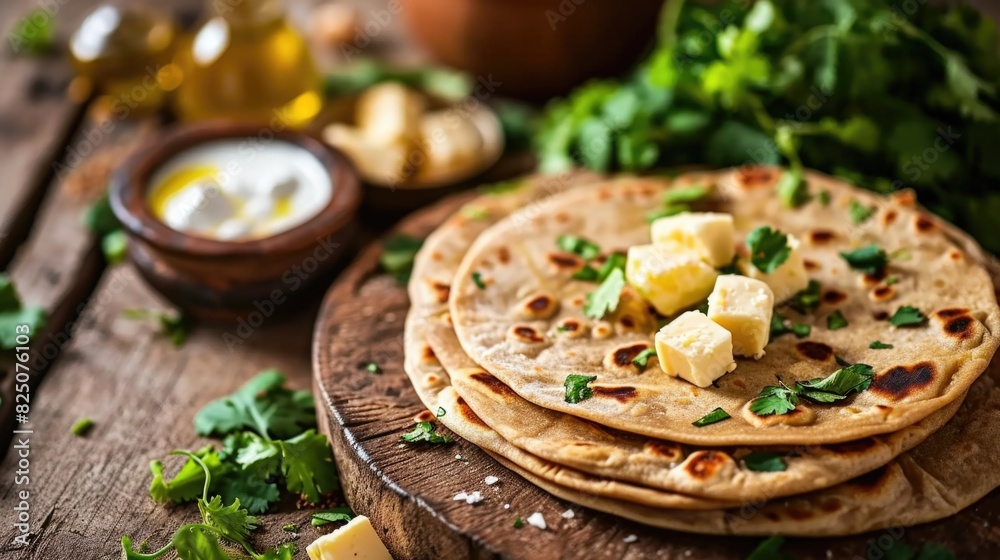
[(408, 491), (142, 394), (58, 267)]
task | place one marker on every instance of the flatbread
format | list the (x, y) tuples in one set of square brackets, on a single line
[(709, 472), (929, 367), (936, 479)]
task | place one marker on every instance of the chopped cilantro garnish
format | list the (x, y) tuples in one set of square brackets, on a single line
[(870, 259), (792, 189), (907, 316), (425, 432), (879, 345), (837, 385), (764, 461), (717, 415), (13, 314), (642, 359), (774, 400), (836, 321), (372, 367), (518, 523), (667, 211), (578, 246), (290, 527), (860, 213), (605, 298), (616, 261), (824, 197), (114, 245), (801, 330), (693, 193), (577, 387), (783, 399), (768, 248), (587, 274), (477, 278), (841, 362), (82, 427), (807, 300), (770, 549), (397, 255), (333, 515), (174, 325)]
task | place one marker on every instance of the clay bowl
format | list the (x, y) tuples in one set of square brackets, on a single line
[(534, 49), (219, 280)]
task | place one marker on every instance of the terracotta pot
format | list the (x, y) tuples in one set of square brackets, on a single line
[(226, 279), (534, 48)]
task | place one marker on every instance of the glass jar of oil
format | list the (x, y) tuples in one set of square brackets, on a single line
[(247, 63), (125, 54)]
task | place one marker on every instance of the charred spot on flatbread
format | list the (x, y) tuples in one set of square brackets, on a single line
[(815, 350), (489, 381), (526, 334), (620, 394), (704, 465), (539, 306), (896, 383), (466, 412)]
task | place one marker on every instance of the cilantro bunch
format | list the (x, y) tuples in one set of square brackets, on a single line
[(884, 98), (270, 442)]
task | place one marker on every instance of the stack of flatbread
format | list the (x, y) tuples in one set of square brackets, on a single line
[(497, 325)]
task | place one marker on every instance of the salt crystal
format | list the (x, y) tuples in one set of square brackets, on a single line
[(506, 506), (491, 480), (630, 539), (474, 498), (536, 520), (461, 496), (568, 514)]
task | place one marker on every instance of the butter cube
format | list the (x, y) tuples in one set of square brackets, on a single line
[(667, 279), (695, 348), (743, 306), (788, 279), (355, 541), (710, 235)]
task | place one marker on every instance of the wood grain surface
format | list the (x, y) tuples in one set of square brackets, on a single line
[(407, 490)]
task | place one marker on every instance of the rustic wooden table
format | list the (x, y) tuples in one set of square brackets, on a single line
[(142, 393)]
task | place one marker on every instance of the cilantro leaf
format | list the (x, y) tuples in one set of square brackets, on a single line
[(578, 246), (372, 367), (232, 521), (770, 549), (615, 261), (605, 298), (307, 465), (907, 316), (764, 461), (870, 259), (425, 432), (333, 515), (13, 314), (667, 211), (189, 481), (174, 325), (577, 387), (197, 542), (262, 405), (717, 415), (81, 427), (807, 300), (685, 195), (768, 248), (860, 213), (879, 345), (114, 245), (99, 218), (774, 400), (253, 492), (398, 253), (284, 552), (35, 33), (836, 321), (853, 378), (792, 189), (642, 359), (801, 330), (477, 279), (824, 197)]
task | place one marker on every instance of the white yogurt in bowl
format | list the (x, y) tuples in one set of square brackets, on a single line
[(239, 189)]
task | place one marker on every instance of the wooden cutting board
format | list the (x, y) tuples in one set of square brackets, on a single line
[(407, 490)]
